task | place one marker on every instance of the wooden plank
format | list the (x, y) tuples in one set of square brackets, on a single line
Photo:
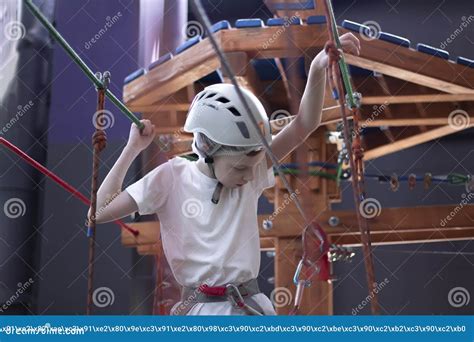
[(416, 98), (405, 138), (416, 114), (271, 42), (405, 218), (403, 237), (287, 222), (407, 64), (167, 78), (267, 244)]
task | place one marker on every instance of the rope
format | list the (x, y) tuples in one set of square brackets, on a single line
[(338, 75), (99, 142), (82, 65), (55, 178)]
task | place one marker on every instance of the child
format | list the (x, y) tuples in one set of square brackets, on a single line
[(208, 209)]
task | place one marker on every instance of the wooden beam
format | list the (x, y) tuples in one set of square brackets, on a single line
[(177, 73), (267, 244), (405, 138), (417, 98), (416, 114), (286, 223), (404, 218), (404, 237), (377, 55), (269, 42)]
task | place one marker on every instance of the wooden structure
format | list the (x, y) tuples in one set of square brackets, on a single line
[(399, 83)]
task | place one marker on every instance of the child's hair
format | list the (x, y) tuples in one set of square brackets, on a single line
[(203, 146)]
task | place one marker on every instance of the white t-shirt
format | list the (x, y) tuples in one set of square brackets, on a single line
[(204, 242)]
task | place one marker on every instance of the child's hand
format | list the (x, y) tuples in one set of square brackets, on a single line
[(138, 141), (350, 44)]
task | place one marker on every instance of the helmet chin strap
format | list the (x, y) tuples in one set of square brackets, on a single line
[(217, 192)]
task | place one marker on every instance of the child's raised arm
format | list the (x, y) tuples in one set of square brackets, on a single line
[(310, 110), (112, 202)]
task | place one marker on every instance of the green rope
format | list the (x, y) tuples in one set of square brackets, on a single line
[(82, 65), (288, 171), (457, 179), (342, 62)]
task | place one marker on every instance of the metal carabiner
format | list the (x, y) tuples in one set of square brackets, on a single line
[(234, 290), (296, 277)]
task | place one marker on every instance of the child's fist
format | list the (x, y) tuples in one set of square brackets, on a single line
[(349, 43), (137, 140)]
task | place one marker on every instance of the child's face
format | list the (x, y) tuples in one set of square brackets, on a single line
[(234, 171)]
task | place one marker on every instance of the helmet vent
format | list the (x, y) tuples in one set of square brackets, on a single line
[(209, 95), (223, 100), (234, 111), (243, 129)]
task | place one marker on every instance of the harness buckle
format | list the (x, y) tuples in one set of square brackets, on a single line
[(234, 296)]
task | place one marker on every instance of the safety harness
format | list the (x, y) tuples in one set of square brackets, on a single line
[(240, 296)]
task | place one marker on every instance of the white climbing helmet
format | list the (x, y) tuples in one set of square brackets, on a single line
[(218, 113)]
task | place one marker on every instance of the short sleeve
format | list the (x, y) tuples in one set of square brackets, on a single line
[(264, 177), (151, 192)]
